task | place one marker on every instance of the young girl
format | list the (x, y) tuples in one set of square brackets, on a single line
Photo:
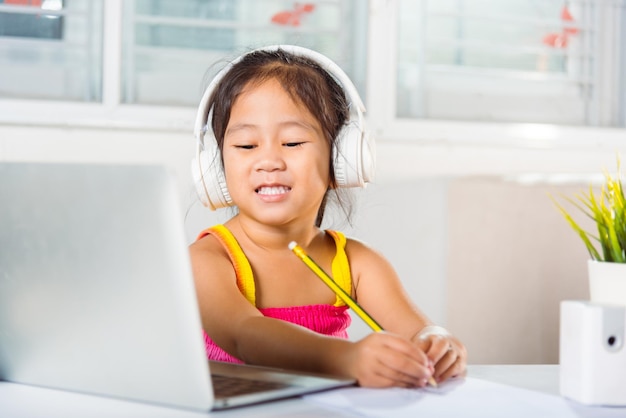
[(277, 118)]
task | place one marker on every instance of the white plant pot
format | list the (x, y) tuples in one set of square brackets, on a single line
[(607, 282)]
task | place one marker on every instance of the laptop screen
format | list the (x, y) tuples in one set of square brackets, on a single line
[(96, 291)]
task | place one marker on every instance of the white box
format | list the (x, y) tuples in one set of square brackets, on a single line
[(592, 356)]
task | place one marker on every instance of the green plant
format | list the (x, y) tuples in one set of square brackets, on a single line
[(608, 211)]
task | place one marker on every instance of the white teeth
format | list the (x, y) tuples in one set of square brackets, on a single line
[(273, 190)]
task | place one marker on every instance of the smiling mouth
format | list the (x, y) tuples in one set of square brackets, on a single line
[(273, 190)]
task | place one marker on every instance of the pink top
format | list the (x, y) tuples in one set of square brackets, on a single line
[(332, 320)]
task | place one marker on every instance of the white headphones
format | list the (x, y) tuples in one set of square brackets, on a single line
[(354, 159)]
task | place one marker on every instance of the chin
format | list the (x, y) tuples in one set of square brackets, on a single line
[(275, 218)]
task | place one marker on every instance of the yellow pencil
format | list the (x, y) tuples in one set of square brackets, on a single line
[(299, 251)]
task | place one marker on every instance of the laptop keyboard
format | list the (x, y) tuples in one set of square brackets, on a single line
[(225, 386)]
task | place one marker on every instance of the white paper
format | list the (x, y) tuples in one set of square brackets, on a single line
[(467, 397)]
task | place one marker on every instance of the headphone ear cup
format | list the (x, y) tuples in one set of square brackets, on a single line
[(354, 157), (208, 177)]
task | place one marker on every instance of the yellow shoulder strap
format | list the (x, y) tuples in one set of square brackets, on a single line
[(341, 265), (245, 278)]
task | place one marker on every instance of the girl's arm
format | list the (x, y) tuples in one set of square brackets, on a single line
[(379, 291), (240, 329)]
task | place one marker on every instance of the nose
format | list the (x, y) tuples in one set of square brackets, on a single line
[(270, 158)]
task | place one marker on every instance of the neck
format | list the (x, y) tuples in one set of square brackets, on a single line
[(270, 237)]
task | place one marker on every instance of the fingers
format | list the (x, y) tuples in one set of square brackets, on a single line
[(403, 346), (388, 375), (446, 353), (454, 366), (452, 363), (437, 347), (405, 370), (445, 362), (403, 363), (388, 360)]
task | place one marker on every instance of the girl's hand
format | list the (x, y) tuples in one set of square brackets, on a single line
[(447, 354), (384, 360)]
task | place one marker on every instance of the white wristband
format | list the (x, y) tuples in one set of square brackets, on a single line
[(432, 330)]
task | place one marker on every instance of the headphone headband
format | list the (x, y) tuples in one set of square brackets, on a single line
[(326, 63)]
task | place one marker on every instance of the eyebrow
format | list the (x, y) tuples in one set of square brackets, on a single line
[(285, 124)]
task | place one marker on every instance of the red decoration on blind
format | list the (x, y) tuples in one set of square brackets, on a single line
[(293, 17), (560, 40)]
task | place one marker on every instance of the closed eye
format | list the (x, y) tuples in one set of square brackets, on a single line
[(245, 146), (293, 144)]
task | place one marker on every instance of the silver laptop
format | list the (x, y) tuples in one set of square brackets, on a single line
[(96, 291)]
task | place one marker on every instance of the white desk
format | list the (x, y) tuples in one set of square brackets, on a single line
[(540, 377), (21, 401)]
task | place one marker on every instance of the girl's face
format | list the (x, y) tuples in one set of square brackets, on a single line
[(276, 159)]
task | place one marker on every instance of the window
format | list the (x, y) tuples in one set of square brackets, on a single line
[(145, 63), (550, 61), (171, 49), (51, 49)]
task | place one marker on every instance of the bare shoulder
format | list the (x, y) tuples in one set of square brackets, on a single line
[(207, 244), (208, 254), (358, 251), (366, 261)]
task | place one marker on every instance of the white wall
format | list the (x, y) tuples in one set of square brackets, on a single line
[(405, 219), (511, 258)]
